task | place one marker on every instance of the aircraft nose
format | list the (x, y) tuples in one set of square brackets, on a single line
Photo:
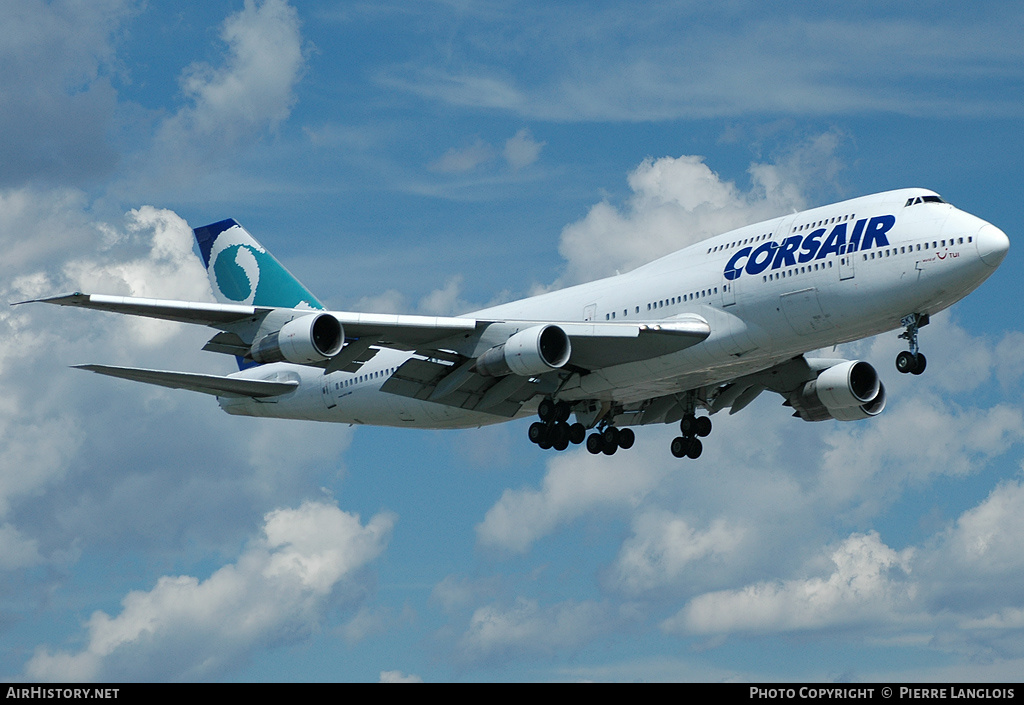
[(992, 245)]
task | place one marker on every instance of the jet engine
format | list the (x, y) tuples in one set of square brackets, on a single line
[(849, 391), (529, 352), (313, 338)]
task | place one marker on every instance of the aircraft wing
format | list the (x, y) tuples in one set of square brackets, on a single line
[(446, 342), (409, 330), (207, 384)]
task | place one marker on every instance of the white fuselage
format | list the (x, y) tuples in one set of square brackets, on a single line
[(769, 291)]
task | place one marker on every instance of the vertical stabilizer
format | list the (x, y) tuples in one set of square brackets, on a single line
[(242, 271)]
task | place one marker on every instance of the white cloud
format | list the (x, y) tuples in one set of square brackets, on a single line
[(254, 89), (231, 105), (526, 628), (977, 565), (445, 301), (869, 583), (167, 268), (464, 159), (59, 107), (546, 62), (576, 483), (521, 149), (675, 202), (921, 435), (307, 560), (16, 551), (664, 547)]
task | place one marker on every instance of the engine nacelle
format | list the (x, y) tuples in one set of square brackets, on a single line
[(313, 338), (849, 391), (864, 411), (529, 352)]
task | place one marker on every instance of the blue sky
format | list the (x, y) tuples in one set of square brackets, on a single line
[(434, 157)]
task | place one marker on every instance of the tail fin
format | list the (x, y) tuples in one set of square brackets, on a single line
[(242, 271)]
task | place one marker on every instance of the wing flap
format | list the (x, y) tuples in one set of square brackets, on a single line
[(206, 384), (418, 379)]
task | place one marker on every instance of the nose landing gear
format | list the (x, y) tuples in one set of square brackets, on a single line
[(913, 360)]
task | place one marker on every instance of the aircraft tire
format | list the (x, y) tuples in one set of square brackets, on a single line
[(546, 410), (538, 431), (679, 446), (919, 364), (595, 444), (626, 438), (695, 449), (704, 426), (577, 434), (905, 362), (562, 411), (610, 436)]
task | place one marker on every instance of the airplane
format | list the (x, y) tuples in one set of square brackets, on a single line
[(707, 328)]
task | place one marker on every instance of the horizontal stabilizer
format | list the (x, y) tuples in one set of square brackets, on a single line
[(208, 314), (207, 384)]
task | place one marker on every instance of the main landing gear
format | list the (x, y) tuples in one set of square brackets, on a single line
[(610, 440), (912, 361), (693, 429), (553, 431)]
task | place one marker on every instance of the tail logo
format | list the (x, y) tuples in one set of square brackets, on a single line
[(242, 271), (237, 272)]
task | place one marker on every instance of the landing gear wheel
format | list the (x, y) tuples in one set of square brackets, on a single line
[(538, 431), (560, 433), (905, 362), (679, 446), (546, 410), (595, 444), (610, 436), (610, 448), (703, 426), (577, 433), (695, 449), (688, 425), (920, 364), (562, 411), (626, 438)]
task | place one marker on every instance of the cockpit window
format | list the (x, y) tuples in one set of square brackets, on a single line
[(923, 199)]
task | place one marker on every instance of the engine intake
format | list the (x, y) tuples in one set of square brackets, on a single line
[(304, 340), (529, 352), (849, 391)]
